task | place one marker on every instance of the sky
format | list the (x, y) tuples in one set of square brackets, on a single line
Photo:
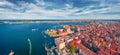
[(59, 9)]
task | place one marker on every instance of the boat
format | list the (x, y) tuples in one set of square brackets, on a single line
[(34, 29), (11, 53)]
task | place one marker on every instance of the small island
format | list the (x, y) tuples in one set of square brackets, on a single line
[(60, 32), (51, 32)]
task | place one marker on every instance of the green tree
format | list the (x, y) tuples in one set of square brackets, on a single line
[(72, 48)]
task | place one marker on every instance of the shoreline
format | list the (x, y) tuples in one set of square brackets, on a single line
[(51, 21), (61, 40)]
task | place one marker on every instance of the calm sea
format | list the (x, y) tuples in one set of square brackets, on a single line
[(15, 37)]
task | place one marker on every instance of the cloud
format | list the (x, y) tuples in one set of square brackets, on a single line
[(41, 10), (35, 10), (5, 3), (69, 5), (92, 11), (40, 2)]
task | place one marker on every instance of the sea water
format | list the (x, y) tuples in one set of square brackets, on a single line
[(23, 41)]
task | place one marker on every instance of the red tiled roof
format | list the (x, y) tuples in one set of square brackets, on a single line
[(75, 42), (83, 48)]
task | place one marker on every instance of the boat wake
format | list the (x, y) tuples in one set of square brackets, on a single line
[(34, 29), (30, 46)]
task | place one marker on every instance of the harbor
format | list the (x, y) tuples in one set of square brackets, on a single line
[(16, 36), (21, 38)]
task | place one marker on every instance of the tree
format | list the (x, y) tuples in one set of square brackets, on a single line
[(72, 48)]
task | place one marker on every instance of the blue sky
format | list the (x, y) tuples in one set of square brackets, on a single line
[(59, 9)]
